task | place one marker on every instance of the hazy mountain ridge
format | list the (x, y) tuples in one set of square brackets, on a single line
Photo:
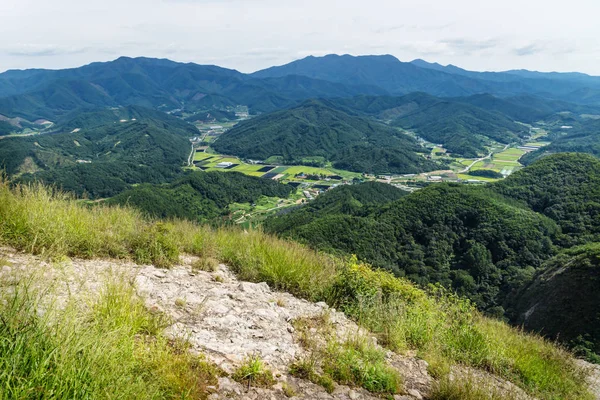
[(165, 84)]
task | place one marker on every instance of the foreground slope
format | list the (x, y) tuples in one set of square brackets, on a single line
[(314, 129), (140, 359)]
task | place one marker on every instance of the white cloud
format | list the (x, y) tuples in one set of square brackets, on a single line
[(253, 34)]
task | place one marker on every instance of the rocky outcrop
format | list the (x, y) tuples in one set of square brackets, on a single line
[(563, 300), (226, 320)]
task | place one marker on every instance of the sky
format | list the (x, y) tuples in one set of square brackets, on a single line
[(248, 35)]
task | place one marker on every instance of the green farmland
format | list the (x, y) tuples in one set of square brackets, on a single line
[(208, 162)]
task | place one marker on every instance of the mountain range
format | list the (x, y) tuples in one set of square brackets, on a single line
[(168, 85)]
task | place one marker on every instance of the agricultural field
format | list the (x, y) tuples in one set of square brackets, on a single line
[(208, 162), (508, 157), (203, 156), (537, 144), (539, 133), (438, 152), (466, 177)]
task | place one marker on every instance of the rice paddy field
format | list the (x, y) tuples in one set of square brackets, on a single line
[(209, 161), (505, 162)]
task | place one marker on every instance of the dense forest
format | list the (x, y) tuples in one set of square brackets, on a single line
[(506, 246), (583, 137), (564, 187), (462, 129), (103, 155), (485, 242), (462, 237), (200, 196), (464, 125), (315, 130)]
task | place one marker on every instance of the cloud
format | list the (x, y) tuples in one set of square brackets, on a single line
[(37, 50), (467, 46), (528, 50), (413, 27)]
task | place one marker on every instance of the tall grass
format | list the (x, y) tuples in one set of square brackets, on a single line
[(444, 329), (112, 350), (40, 220)]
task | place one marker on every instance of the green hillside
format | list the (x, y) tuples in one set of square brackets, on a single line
[(102, 156), (566, 188), (463, 125), (583, 138), (459, 236), (462, 129), (316, 130), (355, 200), (199, 196)]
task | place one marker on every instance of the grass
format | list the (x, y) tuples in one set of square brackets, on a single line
[(443, 329), (253, 372), (198, 156), (512, 154), (355, 361), (477, 178), (207, 264), (113, 349), (469, 389)]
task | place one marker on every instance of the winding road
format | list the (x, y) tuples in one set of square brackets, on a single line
[(480, 159)]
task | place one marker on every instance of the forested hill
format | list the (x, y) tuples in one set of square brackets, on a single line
[(314, 129), (200, 196), (583, 137), (462, 125), (355, 200), (564, 187), (485, 242), (105, 154), (462, 237), (462, 128), (92, 118), (562, 301)]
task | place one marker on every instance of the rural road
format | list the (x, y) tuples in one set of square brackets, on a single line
[(480, 159), (190, 157)]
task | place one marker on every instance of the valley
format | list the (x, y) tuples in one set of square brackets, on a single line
[(435, 208)]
